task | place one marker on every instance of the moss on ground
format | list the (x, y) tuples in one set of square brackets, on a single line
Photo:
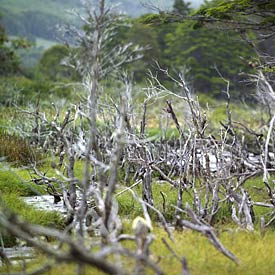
[(15, 184)]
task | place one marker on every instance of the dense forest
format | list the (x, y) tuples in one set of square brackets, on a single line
[(137, 144), (34, 19), (202, 54)]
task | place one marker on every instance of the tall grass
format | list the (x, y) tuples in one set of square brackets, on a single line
[(17, 150), (255, 252)]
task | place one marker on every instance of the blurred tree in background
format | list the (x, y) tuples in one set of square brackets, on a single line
[(9, 62), (204, 54), (51, 65), (181, 7), (199, 43)]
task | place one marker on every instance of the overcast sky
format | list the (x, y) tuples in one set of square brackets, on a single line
[(196, 3)]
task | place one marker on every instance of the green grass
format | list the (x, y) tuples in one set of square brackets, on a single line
[(15, 181), (156, 134), (258, 192), (16, 205), (241, 113), (30, 214), (130, 208), (255, 252)]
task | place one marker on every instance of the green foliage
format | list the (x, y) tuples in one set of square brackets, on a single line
[(145, 36), (29, 59), (20, 90), (50, 65), (181, 7), (203, 55), (9, 63), (241, 11), (150, 18), (220, 11), (206, 54)]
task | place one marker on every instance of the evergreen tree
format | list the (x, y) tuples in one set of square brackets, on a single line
[(50, 65), (147, 37), (9, 62), (181, 7), (204, 52)]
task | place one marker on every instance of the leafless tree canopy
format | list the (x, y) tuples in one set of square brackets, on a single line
[(212, 170)]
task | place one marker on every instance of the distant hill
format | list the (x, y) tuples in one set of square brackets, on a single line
[(38, 19), (35, 18)]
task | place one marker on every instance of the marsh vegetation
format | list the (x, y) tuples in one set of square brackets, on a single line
[(154, 177)]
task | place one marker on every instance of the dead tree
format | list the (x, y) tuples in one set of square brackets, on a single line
[(89, 199)]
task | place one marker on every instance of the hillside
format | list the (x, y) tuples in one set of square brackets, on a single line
[(35, 18)]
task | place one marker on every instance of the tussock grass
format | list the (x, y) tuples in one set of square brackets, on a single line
[(17, 150), (17, 182), (12, 186), (29, 214)]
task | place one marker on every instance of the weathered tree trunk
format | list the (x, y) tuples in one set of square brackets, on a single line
[(147, 193)]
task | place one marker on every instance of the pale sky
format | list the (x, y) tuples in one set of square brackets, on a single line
[(196, 3)]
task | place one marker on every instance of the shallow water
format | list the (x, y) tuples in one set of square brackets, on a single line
[(46, 203), (18, 254)]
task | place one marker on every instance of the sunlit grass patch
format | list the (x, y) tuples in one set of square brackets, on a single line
[(158, 134), (255, 252), (16, 181), (28, 213)]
